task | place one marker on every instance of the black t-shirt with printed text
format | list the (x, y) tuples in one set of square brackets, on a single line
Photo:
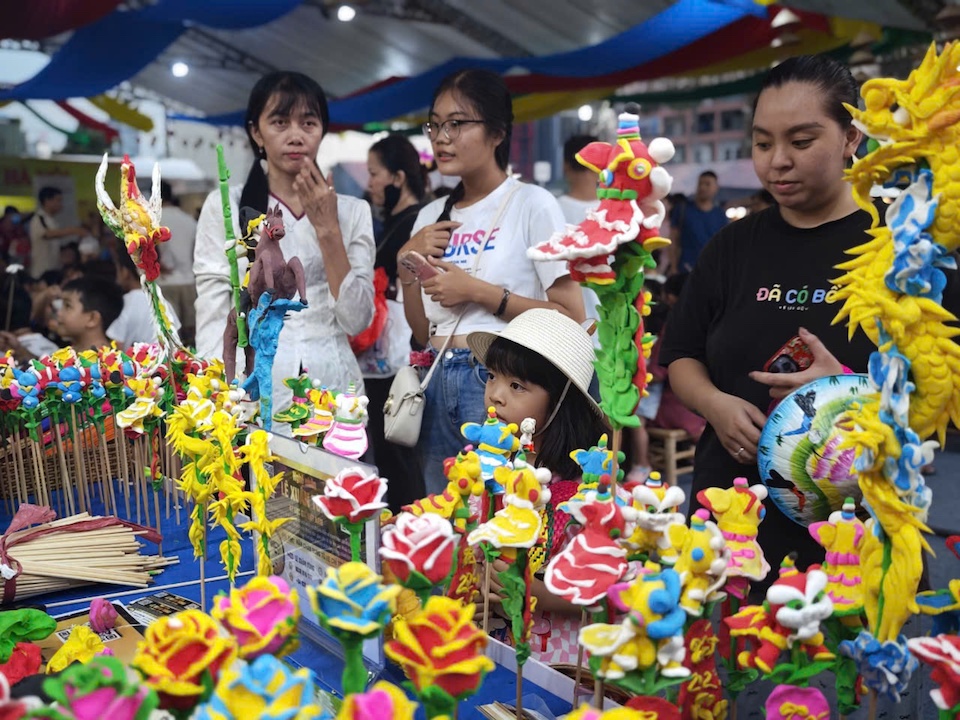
[(755, 284)]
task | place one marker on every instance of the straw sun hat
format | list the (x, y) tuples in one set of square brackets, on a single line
[(556, 338)]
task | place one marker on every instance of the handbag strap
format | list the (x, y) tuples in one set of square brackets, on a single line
[(476, 266)]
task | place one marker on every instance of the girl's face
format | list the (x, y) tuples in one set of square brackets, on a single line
[(470, 151), (514, 399), (799, 151), (379, 179), (288, 139)]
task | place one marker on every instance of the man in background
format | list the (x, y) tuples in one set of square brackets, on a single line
[(176, 260), (694, 222), (46, 235)]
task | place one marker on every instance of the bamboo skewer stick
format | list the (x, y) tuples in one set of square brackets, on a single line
[(486, 597), (66, 488), (123, 471), (578, 674), (108, 475)]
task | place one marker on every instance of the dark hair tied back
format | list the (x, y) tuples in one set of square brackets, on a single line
[(831, 77), (397, 153)]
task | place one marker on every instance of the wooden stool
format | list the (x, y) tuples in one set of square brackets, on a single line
[(671, 452)]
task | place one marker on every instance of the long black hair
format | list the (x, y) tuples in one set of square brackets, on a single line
[(292, 90), (832, 78), (575, 425), (489, 97), (397, 153)]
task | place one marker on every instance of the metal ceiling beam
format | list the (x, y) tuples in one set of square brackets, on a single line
[(215, 53), (433, 11)]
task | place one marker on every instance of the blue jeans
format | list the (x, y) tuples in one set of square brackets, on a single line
[(454, 397)]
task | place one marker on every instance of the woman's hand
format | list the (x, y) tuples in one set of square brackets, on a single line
[(318, 198), (452, 287), (738, 424), (431, 240), (824, 364)]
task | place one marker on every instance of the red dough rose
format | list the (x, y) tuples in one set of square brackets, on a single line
[(352, 496)]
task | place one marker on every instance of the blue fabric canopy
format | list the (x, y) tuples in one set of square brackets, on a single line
[(100, 56), (677, 26)]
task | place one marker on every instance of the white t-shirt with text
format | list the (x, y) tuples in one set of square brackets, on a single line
[(531, 217)]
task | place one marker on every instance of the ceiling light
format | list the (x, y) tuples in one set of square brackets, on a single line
[(179, 69), (345, 13), (585, 113)]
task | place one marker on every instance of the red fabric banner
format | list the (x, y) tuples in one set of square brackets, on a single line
[(39, 19), (88, 122)]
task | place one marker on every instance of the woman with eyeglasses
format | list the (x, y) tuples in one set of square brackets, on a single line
[(491, 215)]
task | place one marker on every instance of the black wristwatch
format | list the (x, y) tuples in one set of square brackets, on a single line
[(503, 303)]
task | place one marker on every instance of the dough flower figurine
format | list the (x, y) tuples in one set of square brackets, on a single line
[(353, 605), (23, 625), (262, 690), (103, 688), (788, 702), (350, 499), (941, 653), (441, 652), (14, 709), (639, 708), (82, 645), (420, 551), (25, 660), (262, 616), (181, 657), (383, 700), (103, 615)]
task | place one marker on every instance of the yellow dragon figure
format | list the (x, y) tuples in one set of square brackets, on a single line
[(916, 122), (892, 290)]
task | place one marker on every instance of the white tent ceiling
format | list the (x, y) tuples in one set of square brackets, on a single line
[(383, 41)]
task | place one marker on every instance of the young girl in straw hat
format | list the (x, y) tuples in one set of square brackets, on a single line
[(540, 366)]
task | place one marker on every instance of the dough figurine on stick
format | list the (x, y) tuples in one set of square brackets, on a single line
[(892, 289), (511, 532), (136, 223)]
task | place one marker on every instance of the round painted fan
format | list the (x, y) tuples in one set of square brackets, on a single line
[(799, 456)]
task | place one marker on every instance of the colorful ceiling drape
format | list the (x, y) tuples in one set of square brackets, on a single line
[(670, 30), (100, 56), (743, 42)]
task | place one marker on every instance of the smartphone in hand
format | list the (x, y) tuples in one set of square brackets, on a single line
[(794, 356), (418, 265)]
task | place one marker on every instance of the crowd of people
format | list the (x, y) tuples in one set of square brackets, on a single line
[(503, 331)]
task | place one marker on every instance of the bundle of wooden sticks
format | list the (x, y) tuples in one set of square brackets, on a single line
[(77, 550)]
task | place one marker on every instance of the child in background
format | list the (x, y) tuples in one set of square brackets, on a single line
[(661, 408), (672, 414), (90, 305), (135, 323), (540, 366)]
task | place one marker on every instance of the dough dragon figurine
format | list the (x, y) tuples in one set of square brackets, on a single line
[(892, 290)]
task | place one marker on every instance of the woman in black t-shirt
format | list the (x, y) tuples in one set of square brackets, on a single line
[(397, 186), (766, 278)]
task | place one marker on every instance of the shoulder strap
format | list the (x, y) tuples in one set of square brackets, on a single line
[(476, 265)]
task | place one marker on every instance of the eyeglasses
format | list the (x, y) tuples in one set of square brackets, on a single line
[(451, 128)]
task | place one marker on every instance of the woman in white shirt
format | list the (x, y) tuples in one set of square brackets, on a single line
[(332, 235), (470, 125)]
